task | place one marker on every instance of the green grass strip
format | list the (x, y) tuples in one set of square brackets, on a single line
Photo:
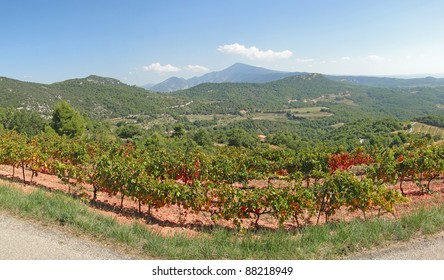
[(331, 241)]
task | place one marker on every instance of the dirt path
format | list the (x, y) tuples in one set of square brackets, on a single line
[(24, 240), (424, 248)]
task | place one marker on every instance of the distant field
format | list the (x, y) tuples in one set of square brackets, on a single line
[(270, 116), (144, 121), (307, 112), (306, 109), (427, 129), (221, 119), (193, 117), (148, 121), (337, 125)]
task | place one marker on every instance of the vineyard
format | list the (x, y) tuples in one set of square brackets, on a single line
[(237, 185)]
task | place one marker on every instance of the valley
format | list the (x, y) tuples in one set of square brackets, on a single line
[(308, 106), (220, 130), (285, 155)]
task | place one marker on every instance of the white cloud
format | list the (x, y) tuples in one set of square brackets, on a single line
[(347, 58), (375, 58), (253, 52), (157, 67), (304, 60), (197, 68)]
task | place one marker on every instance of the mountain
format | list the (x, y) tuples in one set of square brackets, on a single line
[(237, 73), (102, 97), (389, 82), (302, 86), (96, 96), (244, 73), (172, 84), (102, 80), (344, 100), (275, 95), (147, 86)]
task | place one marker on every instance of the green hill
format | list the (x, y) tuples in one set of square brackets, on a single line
[(93, 95), (343, 99), (101, 97), (277, 95)]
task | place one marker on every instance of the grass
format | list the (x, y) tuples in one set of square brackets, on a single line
[(269, 116), (425, 128), (307, 112), (331, 241)]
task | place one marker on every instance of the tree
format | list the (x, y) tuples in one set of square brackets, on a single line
[(67, 121), (154, 141), (178, 130), (240, 138), (203, 138), (22, 121), (129, 131)]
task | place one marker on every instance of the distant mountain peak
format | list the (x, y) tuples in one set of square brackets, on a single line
[(243, 66), (236, 73), (239, 64), (171, 84), (174, 78), (248, 69)]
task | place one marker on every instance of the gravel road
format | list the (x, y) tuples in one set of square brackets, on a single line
[(24, 240), (425, 248)]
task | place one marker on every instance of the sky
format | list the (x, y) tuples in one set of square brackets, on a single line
[(148, 41)]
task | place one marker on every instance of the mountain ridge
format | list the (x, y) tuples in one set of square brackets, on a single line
[(102, 97), (239, 73), (236, 73), (244, 73)]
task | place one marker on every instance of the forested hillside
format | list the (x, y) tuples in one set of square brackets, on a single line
[(313, 89), (96, 96), (296, 112)]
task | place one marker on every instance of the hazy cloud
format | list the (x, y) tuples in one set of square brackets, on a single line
[(374, 58), (253, 52), (347, 58), (157, 67), (197, 68)]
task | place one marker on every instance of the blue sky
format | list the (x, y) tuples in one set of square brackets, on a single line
[(142, 42)]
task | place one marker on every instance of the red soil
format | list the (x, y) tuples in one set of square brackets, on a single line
[(171, 220)]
